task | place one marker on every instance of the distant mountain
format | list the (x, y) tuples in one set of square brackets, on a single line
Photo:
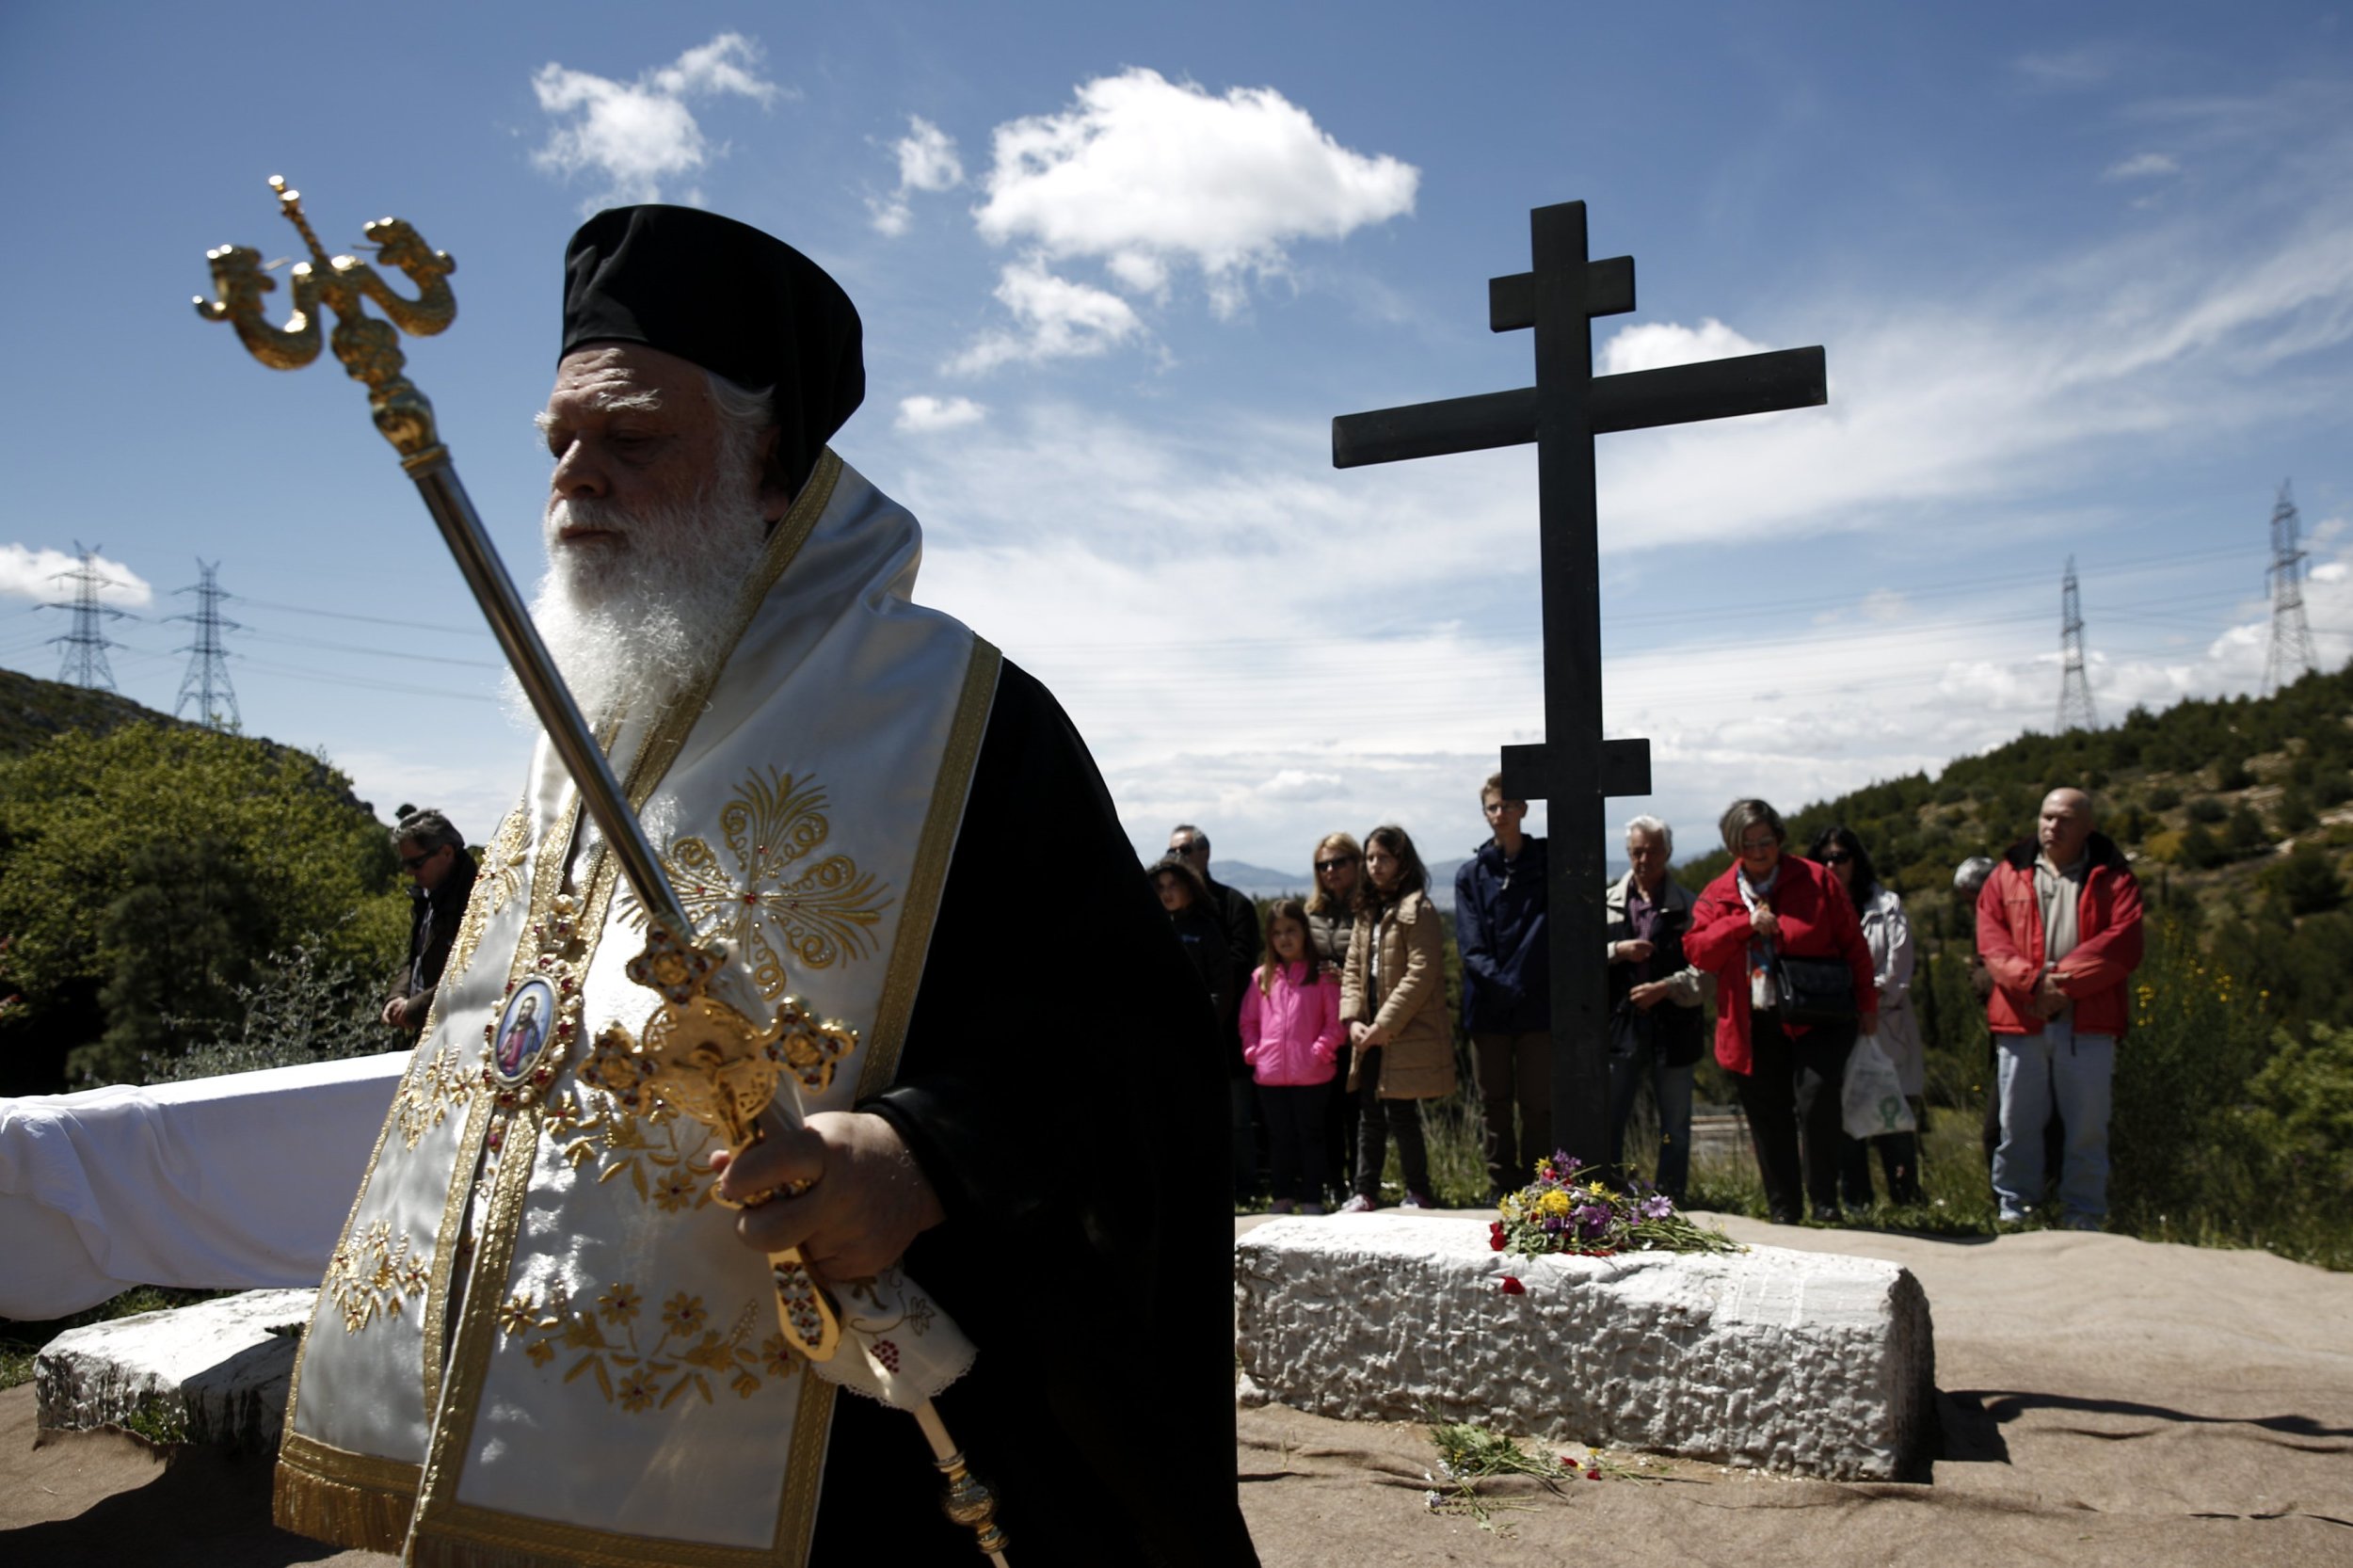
[(1258, 880)]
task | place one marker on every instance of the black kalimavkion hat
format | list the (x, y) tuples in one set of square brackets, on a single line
[(724, 296)]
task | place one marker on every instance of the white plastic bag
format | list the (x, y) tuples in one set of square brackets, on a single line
[(1873, 1101)]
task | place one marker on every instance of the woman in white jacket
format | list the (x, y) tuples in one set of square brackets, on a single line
[(1889, 935)]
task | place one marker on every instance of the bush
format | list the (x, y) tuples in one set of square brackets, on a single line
[(2205, 808), (2164, 798), (2307, 881), (145, 870), (2233, 775), (2201, 850), (2195, 1040), (301, 1008), (2245, 833)]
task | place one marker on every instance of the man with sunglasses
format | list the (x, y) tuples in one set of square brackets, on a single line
[(434, 854)]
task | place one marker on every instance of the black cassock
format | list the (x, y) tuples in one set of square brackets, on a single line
[(1062, 1086)]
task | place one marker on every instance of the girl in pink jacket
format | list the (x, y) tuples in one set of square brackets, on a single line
[(1290, 1031)]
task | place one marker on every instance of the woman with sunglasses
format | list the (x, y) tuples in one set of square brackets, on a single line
[(1331, 921), (1888, 935), (1767, 907)]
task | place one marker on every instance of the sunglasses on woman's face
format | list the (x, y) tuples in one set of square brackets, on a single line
[(1836, 857), (1334, 865)]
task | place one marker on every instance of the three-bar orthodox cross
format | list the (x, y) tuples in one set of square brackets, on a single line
[(1575, 770)]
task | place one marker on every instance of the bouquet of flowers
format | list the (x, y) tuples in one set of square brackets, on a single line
[(1568, 1209)]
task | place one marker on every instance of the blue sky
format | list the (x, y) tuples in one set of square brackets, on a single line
[(2084, 275)]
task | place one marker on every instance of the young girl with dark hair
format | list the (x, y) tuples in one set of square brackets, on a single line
[(1290, 1031), (1393, 994)]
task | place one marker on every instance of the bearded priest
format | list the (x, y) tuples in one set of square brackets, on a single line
[(541, 1340)]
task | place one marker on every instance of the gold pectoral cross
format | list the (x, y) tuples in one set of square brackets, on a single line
[(701, 1056)]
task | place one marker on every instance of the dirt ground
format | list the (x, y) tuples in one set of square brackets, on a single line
[(2104, 1402)]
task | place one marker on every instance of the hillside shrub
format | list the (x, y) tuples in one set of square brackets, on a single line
[(144, 871), (2201, 850), (2307, 881), (2245, 835), (299, 1008), (2233, 773), (2207, 809), (2164, 798)]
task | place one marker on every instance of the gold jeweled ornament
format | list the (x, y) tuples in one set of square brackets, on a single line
[(699, 1055), (696, 1049)]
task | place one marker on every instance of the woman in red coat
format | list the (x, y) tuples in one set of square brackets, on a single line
[(1766, 907)]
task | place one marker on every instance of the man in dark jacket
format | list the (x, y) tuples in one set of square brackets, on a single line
[(434, 854), (1507, 989), (1235, 911), (1658, 1002)]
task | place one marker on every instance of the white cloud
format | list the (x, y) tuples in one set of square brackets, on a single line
[(633, 135), (924, 414), (2085, 66), (1146, 173), (1304, 784), (27, 573), (2142, 166), (1059, 319), (1653, 345), (927, 161)]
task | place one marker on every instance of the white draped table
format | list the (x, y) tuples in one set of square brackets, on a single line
[(234, 1182)]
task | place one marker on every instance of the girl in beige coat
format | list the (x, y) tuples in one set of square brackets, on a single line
[(1393, 996)]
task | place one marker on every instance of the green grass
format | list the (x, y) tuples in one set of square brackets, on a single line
[(21, 1342)]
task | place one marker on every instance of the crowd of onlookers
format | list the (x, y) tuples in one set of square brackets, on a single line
[(1337, 1026)]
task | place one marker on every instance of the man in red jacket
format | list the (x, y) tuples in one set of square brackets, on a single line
[(2059, 926)]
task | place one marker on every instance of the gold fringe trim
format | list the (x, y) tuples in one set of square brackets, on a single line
[(338, 1512), (468, 1536)]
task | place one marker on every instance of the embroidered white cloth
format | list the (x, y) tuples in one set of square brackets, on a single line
[(234, 1182)]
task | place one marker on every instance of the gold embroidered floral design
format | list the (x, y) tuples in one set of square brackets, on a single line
[(505, 868), (374, 1273), (639, 1377), (658, 1151), (781, 902), (427, 1095)]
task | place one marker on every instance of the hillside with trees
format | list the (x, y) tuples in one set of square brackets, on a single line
[(2233, 1116), (154, 877)]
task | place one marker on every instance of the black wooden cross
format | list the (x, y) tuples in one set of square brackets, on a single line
[(1562, 413)]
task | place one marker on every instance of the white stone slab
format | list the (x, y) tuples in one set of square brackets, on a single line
[(1798, 1362), (222, 1367)]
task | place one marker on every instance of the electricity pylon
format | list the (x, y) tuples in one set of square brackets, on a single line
[(84, 663), (206, 685), (2074, 703), (2291, 634)]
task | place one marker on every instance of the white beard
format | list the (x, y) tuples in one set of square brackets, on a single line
[(635, 623)]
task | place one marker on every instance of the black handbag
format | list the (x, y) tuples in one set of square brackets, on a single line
[(1815, 991)]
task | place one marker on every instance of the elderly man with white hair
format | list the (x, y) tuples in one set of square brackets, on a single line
[(1658, 1002), (549, 1337)]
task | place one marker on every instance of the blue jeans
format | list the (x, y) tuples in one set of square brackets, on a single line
[(1671, 1088), (2074, 1070)]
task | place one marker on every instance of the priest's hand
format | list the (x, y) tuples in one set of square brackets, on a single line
[(867, 1199)]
